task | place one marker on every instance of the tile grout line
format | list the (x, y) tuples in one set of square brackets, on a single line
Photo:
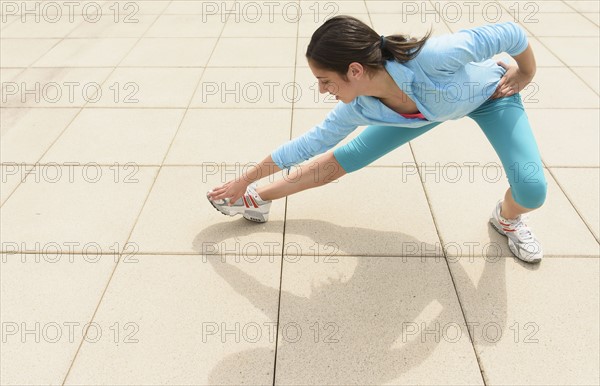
[(598, 27), (132, 228), (444, 252), (582, 14), (433, 217), (551, 51), (24, 69), (81, 108), (59, 40), (573, 206), (286, 202)]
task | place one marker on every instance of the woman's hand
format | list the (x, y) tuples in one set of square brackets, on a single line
[(512, 82), (233, 190)]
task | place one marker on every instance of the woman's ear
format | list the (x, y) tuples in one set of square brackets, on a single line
[(355, 70)]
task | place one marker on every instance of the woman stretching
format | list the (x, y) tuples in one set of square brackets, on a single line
[(402, 88)]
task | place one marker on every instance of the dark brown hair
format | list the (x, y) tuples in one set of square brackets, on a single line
[(343, 39)]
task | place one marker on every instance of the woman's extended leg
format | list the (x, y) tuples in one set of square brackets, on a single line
[(372, 143), (321, 171)]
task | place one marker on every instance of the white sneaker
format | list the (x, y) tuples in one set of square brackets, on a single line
[(251, 206), (521, 240)]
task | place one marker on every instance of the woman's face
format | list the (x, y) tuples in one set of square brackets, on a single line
[(331, 82)]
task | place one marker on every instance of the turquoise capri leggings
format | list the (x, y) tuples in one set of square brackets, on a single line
[(503, 122)]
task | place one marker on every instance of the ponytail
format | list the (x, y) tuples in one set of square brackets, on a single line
[(343, 39)]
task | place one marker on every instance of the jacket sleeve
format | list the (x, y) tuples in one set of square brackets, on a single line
[(340, 122), (451, 52)]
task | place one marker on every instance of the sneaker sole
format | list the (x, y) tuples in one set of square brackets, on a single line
[(249, 215), (511, 244)]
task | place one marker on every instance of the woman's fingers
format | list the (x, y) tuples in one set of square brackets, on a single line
[(501, 82)]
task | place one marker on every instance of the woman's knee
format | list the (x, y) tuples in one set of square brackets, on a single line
[(530, 194), (327, 169)]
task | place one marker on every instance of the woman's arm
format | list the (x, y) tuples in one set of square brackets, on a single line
[(265, 168), (338, 124), (451, 52), (526, 62), (516, 77)]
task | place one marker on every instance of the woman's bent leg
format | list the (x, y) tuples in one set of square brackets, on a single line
[(505, 124)]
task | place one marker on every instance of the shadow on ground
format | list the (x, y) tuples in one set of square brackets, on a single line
[(375, 311)]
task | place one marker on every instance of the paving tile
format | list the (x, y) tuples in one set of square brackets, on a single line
[(558, 134), (561, 24), (169, 304), (7, 20), (463, 224), (575, 51), (12, 174), (23, 52), (444, 146), (519, 315), (87, 53), (430, 7), (197, 143), (333, 316), (544, 92), (483, 15), (168, 52), (56, 87), (305, 119), (302, 46), (150, 87), (177, 217), (109, 136), (594, 17), (261, 25), (199, 7), (45, 27), (324, 220), (310, 22), (586, 200), (75, 206), (8, 74), (187, 25), (525, 9), (590, 75), (28, 133), (406, 24), (584, 5), (543, 56), (50, 10), (231, 87), (131, 10), (329, 9), (254, 52), (115, 23), (47, 301)]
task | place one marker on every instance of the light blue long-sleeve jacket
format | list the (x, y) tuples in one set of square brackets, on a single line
[(451, 76)]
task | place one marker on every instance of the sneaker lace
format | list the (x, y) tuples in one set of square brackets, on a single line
[(521, 229)]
